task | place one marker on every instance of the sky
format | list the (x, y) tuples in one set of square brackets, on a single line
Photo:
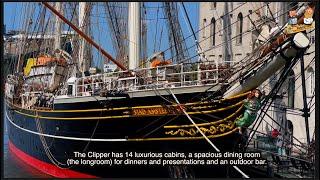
[(13, 12)]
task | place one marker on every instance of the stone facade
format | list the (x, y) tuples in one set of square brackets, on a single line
[(290, 95)]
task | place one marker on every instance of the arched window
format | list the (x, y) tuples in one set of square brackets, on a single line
[(310, 82), (291, 89), (213, 5), (249, 24), (289, 135), (203, 27), (239, 28), (213, 32)]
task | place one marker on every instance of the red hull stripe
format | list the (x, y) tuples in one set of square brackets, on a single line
[(46, 167)]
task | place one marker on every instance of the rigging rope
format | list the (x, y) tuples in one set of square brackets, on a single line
[(274, 90), (155, 42), (241, 61), (272, 119), (195, 56), (45, 145), (207, 139), (208, 25), (244, 33), (199, 49)]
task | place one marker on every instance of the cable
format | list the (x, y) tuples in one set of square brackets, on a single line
[(154, 46), (275, 89), (208, 25), (280, 125), (247, 32), (190, 26), (255, 51), (241, 61), (199, 130)]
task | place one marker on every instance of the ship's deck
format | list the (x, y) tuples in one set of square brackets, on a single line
[(141, 93)]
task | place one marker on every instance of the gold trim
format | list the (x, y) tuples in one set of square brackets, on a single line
[(123, 116), (184, 138), (205, 124), (212, 130), (236, 96), (82, 118), (217, 110), (121, 108)]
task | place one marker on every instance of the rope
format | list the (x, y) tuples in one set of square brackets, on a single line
[(242, 60), (293, 157), (281, 126), (211, 87), (286, 140), (190, 27), (244, 33), (207, 139), (94, 130), (45, 146), (65, 137), (209, 24), (147, 134), (275, 89), (297, 76), (154, 46)]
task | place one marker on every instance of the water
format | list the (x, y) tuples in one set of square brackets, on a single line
[(15, 167)]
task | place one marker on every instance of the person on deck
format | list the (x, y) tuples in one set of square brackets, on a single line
[(281, 146), (252, 105)]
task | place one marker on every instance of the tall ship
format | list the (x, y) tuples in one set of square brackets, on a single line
[(57, 104)]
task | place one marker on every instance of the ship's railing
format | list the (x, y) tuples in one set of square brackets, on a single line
[(36, 100), (174, 76)]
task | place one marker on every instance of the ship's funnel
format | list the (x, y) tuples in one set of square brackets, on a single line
[(300, 41)]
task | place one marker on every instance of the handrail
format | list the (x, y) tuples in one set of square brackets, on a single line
[(173, 75)]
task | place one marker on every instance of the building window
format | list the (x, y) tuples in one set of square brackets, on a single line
[(70, 88), (310, 82), (291, 89), (213, 32), (289, 135), (312, 39), (239, 29), (213, 5), (203, 27)]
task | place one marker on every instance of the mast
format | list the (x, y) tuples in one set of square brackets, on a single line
[(117, 18), (134, 34), (178, 48), (83, 35), (57, 26), (84, 48)]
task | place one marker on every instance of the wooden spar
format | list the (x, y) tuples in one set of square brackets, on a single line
[(281, 38), (87, 38)]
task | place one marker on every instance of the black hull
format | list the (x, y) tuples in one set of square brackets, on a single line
[(119, 134)]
